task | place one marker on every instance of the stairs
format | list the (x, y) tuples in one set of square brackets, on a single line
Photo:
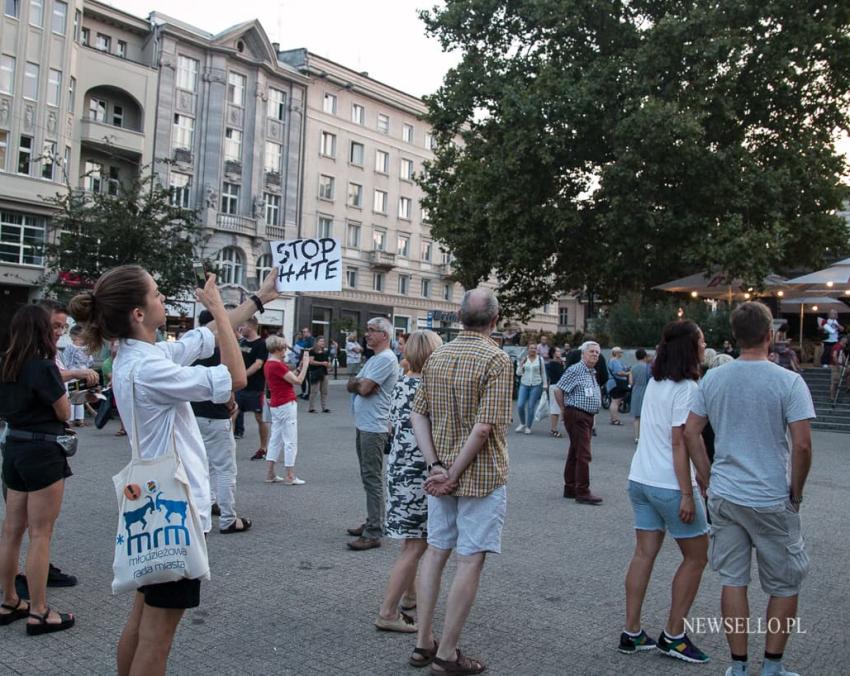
[(835, 419)]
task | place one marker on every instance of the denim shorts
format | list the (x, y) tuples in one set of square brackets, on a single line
[(658, 509), (466, 524)]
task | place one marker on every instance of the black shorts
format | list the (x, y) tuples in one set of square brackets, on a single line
[(32, 465), (250, 401), (181, 594), (619, 392)]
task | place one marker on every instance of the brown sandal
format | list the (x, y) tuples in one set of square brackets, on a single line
[(460, 666), (427, 656)]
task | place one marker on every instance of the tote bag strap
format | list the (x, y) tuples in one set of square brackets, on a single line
[(134, 433)]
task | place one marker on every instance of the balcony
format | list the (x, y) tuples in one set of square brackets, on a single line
[(242, 225), (275, 232), (110, 137), (381, 260), (445, 269)]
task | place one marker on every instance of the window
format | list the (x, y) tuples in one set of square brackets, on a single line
[(445, 257), (114, 181), (54, 87), (232, 145), (351, 278), (378, 281), (37, 13), (426, 215), (25, 155), (382, 162), (276, 105), (264, 267), (355, 195), (404, 208), (563, 316), (4, 148), (85, 35), (179, 186), (187, 73), (355, 154), (447, 292), (97, 110), (407, 133), (31, 81), (230, 199), (358, 113), (380, 202), (184, 131), (353, 235), (273, 157), (326, 187), (427, 250), (48, 159), (272, 209), (72, 94), (404, 245), (60, 16), (429, 141), (66, 160), (383, 123), (379, 239), (236, 89), (118, 116), (102, 42), (122, 49), (329, 104), (7, 74), (406, 170), (92, 176), (403, 284), (325, 227), (426, 288), (21, 238), (328, 144), (230, 264), (78, 19), (13, 8)]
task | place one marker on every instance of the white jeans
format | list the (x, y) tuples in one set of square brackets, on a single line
[(284, 434), (221, 455)]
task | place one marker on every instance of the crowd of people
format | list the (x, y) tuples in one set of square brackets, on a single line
[(431, 424)]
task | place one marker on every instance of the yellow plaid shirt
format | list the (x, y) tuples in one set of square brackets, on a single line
[(468, 381)]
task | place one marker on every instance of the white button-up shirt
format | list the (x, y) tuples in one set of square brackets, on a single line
[(165, 384)]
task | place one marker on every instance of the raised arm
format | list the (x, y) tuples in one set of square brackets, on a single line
[(240, 314), (231, 356)]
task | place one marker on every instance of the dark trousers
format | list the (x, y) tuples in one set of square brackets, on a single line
[(826, 355), (577, 469)]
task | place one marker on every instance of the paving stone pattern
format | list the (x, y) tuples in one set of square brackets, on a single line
[(290, 598)]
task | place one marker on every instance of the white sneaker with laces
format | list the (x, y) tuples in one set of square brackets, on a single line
[(519, 428), (295, 482), (527, 430)]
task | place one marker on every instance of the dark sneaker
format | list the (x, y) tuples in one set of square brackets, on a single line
[(215, 509), (633, 644), (259, 455), (357, 531), (56, 578), (364, 543), (681, 649)]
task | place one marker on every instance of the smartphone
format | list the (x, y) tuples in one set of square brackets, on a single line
[(200, 273)]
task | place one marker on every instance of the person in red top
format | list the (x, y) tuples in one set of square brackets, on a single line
[(284, 410)]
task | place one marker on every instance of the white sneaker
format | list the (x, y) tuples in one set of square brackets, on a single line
[(527, 430), (295, 482), (519, 428)]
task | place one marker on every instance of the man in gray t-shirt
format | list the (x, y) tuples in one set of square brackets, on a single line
[(372, 395), (756, 482)]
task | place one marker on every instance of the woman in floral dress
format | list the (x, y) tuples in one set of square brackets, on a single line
[(406, 516)]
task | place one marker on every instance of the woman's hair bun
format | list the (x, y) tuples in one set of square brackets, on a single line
[(81, 306)]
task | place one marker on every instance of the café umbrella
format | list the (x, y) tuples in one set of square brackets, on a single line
[(811, 305)]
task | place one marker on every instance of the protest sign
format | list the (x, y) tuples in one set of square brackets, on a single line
[(308, 264)]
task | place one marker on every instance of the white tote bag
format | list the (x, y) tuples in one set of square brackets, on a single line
[(159, 536)]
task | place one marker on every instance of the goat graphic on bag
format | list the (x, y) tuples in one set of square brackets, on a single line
[(168, 532)]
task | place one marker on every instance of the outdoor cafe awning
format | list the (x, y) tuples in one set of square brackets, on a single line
[(716, 285)]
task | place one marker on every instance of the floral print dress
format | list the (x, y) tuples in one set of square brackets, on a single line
[(406, 503)]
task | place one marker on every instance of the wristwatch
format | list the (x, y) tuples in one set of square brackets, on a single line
[(795, 500), (438, 463), (258, 303)]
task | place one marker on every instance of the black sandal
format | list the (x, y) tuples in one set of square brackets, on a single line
[(556, 434), (460, 666), (427, 656), (246, 525), (17, 613), (66, 621)]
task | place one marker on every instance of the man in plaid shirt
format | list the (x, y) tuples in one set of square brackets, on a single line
[(579, 397), (460, 418)]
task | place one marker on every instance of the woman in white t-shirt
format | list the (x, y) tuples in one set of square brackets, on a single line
[(353, 354), (126, 304), (664, 494)]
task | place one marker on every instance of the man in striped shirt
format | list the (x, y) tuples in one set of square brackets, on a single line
[(579, 397)]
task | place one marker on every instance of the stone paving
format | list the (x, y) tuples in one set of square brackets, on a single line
[(290, 598)]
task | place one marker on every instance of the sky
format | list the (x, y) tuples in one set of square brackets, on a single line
[(384, 37)]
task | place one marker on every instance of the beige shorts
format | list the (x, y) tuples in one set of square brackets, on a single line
[(774, 533)]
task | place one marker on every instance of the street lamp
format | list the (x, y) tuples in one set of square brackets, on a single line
[(694, 294), (780, 293), (814, 308)]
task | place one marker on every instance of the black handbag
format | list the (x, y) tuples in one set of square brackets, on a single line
[(104, 411)]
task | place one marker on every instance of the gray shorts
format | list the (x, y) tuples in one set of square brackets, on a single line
[(775, 534), (466, 524)]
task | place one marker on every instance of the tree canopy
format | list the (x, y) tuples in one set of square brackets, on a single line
[(95, 231), (617, 144)]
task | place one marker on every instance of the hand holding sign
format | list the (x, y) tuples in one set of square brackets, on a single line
[(308, 264)]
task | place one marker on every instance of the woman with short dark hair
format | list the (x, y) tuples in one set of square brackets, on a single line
[(35, 405), (662, 484)]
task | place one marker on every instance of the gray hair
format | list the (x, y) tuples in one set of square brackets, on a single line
[(383, 325), (721, 359), (275, 343), (478, 309), (586, 345)]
